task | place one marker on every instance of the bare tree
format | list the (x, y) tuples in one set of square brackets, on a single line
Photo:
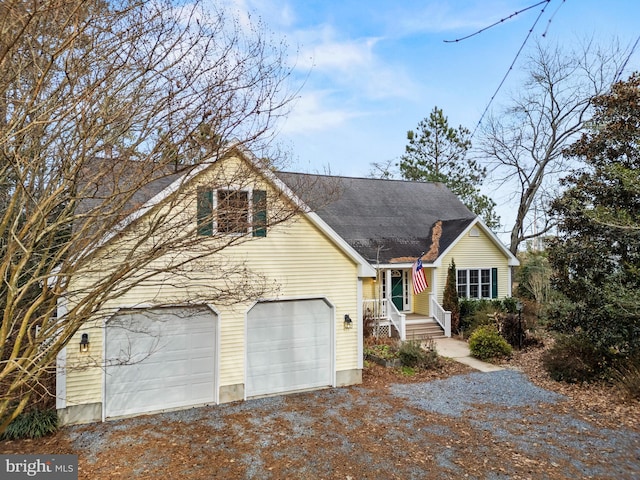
[(102, 105), (524, 143)]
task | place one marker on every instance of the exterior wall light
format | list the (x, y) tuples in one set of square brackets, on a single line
[(348, 323), (84, 343)]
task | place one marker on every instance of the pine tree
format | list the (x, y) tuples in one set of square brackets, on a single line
[(438, 153)]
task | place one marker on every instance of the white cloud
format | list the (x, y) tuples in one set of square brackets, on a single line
[(350, 64), (313, 112), (323, 51), (464, 17)]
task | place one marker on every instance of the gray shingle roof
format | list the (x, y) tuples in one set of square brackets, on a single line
[(386, 221)]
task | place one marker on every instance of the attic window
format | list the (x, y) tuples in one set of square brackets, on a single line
[(231, 211), (474, 232)]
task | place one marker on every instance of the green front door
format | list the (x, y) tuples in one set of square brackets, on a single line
[(397, 292)]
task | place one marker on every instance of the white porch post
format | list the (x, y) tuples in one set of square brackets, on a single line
[(387, 282)]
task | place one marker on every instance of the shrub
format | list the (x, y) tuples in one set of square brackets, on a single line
[(627, 379), (511, 329), (573, 359), (486, 343), (509, 304), (478, 313), (450, 297), (384, 351), (560, 314), (33, 424), (413, 354)]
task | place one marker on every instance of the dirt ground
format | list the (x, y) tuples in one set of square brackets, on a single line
[(364, 432)]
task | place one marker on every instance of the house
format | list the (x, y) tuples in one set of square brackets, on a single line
[(391, 223), (321, 251)]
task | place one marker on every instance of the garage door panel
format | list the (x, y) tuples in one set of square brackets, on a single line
[(289, 346), (170, 359)]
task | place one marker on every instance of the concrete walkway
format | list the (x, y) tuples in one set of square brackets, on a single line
[(459, 351)]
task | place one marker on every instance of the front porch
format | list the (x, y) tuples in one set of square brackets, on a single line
[(382, 318)]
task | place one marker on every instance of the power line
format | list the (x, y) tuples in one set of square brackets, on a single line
[(498, 22), (515, 59), (551, 19)]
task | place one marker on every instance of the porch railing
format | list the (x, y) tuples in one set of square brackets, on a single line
[(442, 316), (384, 315)]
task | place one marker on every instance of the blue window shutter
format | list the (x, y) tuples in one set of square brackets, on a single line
[(494, 283), (259, 213), (205, 212)]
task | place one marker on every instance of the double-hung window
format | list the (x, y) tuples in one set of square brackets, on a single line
[(232, 211), (477, 283)]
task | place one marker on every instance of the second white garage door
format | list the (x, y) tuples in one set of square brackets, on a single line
[(159, 358), (289, 346)]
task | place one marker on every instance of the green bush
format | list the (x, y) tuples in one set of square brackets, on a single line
[(384, 351), (478, 314), (573, 359), (509, 304), (413, 354), (486, 343), (33, 424), (560, 314)]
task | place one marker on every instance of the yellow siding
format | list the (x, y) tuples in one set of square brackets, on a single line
[(369, 288), (476, 252), (421, 301), (298, 261)]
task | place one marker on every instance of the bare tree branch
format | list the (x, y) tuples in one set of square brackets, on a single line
[(523, 145), (102, 106)]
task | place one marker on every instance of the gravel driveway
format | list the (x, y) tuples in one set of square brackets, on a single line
[(481, 425)]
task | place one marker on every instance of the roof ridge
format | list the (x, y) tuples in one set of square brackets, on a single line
[(328, 175)]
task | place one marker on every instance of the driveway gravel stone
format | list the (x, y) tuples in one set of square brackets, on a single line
[(494, 425)]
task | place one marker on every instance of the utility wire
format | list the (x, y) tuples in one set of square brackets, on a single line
[(512, 64), (499, 22), (551, 19)]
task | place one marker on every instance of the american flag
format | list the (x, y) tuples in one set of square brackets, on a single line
[(418, 277)]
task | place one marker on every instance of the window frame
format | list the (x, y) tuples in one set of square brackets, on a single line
[(477, 283), (253, 210)]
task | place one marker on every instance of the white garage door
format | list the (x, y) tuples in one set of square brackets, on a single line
[(289, 346), (159, 358)]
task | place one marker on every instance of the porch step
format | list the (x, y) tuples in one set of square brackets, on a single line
[(427, 328)]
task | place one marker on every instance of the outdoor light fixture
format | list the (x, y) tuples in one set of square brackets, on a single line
[(84, 343), (348, 323)]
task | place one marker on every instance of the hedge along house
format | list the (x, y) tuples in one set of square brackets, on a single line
[(392, 223), (262, 297)]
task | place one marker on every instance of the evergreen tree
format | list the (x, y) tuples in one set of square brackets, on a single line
[(437, 152), (596, 255), (450, 297)]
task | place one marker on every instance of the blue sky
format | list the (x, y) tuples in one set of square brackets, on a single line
[(368, 71)]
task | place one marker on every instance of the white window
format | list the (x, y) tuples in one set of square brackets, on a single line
[(229, 211), (477, 283)]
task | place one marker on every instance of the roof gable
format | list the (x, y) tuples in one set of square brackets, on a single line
[(158, 189)]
